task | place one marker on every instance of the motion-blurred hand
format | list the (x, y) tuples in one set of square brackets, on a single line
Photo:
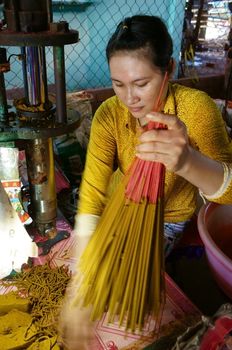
[(76, 330)]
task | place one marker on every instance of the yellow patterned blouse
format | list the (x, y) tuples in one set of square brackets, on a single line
[(114, 136)]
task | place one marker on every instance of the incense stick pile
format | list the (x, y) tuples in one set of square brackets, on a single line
[(45, 288)]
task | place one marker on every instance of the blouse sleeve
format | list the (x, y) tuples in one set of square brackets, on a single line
[(99, 162), (210, 136)]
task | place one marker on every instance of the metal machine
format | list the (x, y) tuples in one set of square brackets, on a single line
[(33, 118)]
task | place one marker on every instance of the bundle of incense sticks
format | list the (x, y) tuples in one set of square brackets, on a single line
[(122, 267)]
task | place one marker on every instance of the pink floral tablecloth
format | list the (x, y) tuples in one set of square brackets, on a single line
[(178, 311)]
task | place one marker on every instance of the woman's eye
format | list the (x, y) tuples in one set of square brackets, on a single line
[(117, 84), (142, 84)]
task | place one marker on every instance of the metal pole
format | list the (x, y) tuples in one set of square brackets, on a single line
[(3, 100), (60, 85)]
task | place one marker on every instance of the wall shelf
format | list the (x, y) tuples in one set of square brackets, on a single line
[(70, 5)]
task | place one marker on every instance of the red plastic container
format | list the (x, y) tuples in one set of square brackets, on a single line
[(215, 229)]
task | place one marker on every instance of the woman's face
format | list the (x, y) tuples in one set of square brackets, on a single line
[(136, 82)]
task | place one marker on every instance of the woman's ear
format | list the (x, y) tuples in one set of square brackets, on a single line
[(171, 67)]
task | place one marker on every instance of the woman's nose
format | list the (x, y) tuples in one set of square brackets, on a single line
[(131, 96)]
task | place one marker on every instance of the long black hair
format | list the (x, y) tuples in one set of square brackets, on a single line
[(146, 33)]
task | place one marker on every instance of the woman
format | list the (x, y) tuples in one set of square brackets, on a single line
[(195, 147), (192, 148)]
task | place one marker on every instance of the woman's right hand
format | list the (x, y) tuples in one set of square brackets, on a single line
[(75, 329)]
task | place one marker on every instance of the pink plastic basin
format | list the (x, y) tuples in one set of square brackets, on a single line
[(215, 229)]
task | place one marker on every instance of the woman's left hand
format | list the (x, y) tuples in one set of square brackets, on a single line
[(169, 146)]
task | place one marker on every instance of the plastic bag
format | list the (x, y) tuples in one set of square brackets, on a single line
[(211, 333)]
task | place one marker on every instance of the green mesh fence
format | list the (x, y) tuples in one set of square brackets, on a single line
[(85, 62)]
